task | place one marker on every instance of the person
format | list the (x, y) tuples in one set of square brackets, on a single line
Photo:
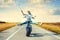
[(28, 22), (28, 16), (28, 29)]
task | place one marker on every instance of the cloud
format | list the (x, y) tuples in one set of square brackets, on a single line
[(4, 6), (10, 2), (6, 3), (39, 1), (40, 7), (43, 11)]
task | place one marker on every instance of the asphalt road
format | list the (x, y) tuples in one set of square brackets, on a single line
[(19, 33)]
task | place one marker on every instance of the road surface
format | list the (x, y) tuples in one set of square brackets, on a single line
[(19, 33)]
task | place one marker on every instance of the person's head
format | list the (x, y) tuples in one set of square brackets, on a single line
[(29, 12)]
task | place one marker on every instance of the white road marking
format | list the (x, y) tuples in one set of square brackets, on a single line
[(51, 33), (40, 29), (13, 33), (56, 37)]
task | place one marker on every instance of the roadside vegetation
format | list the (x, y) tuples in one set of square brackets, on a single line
[(6, 25), (54, 27)]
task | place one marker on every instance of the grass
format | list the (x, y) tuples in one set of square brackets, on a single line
[(51, 27), (5, 26)]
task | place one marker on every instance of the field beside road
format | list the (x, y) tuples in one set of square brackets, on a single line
[(5, 26), (55, 27)]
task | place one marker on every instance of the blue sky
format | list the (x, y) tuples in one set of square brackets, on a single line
[(54, 3), (24, 3), (42, 8), (21, 2)]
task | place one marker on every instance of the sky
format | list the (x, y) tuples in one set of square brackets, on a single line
[(44, 10)]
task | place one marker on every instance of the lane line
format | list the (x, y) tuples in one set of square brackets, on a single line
[(56, 37), (51, 33), (39, 27), (13, 33)]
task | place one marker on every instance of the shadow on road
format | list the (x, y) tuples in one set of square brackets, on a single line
[(40, 34), (36, 35)]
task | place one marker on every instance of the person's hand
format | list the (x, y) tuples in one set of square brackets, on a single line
[(33, 17)]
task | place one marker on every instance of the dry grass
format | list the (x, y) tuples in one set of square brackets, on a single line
[(51, 27), (4, 26)]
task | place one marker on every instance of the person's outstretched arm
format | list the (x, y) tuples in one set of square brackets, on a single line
[(33, 17), (22, 12)]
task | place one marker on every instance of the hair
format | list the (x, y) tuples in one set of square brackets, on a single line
[(29, 12)]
